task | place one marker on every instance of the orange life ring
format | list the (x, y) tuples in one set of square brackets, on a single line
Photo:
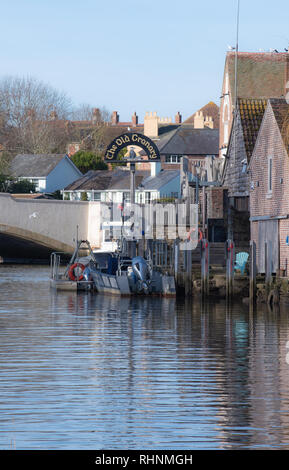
[(199, 232), (71, 272)]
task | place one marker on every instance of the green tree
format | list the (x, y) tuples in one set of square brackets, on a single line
[(120, 156), (84, 196), (86, 161)]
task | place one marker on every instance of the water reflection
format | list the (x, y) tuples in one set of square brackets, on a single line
[(89, 371)]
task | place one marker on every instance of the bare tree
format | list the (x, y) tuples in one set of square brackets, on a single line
[(27, 107), (36, 118), (83, 112), (86, 112), (90, 128)]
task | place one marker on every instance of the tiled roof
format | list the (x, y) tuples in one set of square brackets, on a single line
[(162, 178), (260, 75), (101, 180), (119, 180), (251, 115), (210, 109), (165, 128), (107, 134), (28, 165), (281, 112), (244, 134), (186, 140)]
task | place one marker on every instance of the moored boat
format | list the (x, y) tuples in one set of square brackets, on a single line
[(120, 275), (109, 273), (76, 275)]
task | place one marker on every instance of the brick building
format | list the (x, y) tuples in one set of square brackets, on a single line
[(261, 75), (269, 186), (197, 140), (245, 128), (196, 144)]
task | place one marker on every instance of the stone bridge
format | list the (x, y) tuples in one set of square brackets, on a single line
[(47, 224)]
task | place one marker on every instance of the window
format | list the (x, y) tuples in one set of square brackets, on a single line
[(107, 237), (270, 168), (242, 204), (126, 196), (173, 158), (96, 196), (147, 197)]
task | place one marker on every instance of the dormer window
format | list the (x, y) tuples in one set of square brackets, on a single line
[(244, 165)]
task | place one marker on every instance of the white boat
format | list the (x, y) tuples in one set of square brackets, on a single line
[(120, 275), (76, 275), (109, 273)]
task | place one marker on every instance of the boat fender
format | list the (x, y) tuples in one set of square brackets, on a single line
[(71, 274)]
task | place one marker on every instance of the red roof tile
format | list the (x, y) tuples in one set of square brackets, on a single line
[(260, 75)]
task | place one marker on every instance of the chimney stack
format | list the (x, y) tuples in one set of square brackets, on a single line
[(199, 120), (209, 122), (31, 115), (53, 116), (134, 119), (96, 116), (114, 118), (178, 118), (151, 125)]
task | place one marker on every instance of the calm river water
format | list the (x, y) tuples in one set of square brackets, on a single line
[(93, 372)]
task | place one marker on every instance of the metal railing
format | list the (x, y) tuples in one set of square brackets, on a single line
[(56, 259)]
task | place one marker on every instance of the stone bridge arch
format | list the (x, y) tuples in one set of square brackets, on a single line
[(50, 223)]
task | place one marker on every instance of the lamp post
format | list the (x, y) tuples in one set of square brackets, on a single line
[(132, 156)]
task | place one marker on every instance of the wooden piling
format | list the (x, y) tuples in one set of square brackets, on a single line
[(188, 269), (205, 263), (268, 265), (253, 272), (230, 254), (176, 259)]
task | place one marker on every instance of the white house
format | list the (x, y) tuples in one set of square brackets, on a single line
[(114, 186), (49, 172)]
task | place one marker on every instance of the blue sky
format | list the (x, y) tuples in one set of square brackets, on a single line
[(153, 55)]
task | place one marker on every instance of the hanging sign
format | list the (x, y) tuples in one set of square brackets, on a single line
[(132, 139)]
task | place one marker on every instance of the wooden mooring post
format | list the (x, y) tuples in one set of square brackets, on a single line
[(253, 272), (268, 265), (176, 260), (230, 256), (205, 267), (188, 269)]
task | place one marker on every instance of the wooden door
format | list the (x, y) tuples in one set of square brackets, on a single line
[(268, 232)]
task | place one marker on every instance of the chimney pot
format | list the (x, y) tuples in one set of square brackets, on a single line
[(115, 118), (134, 119), (178, 118), (96, 116)]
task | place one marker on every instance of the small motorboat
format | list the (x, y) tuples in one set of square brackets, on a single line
[(118, 274), (108, 273), (76, 275)]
